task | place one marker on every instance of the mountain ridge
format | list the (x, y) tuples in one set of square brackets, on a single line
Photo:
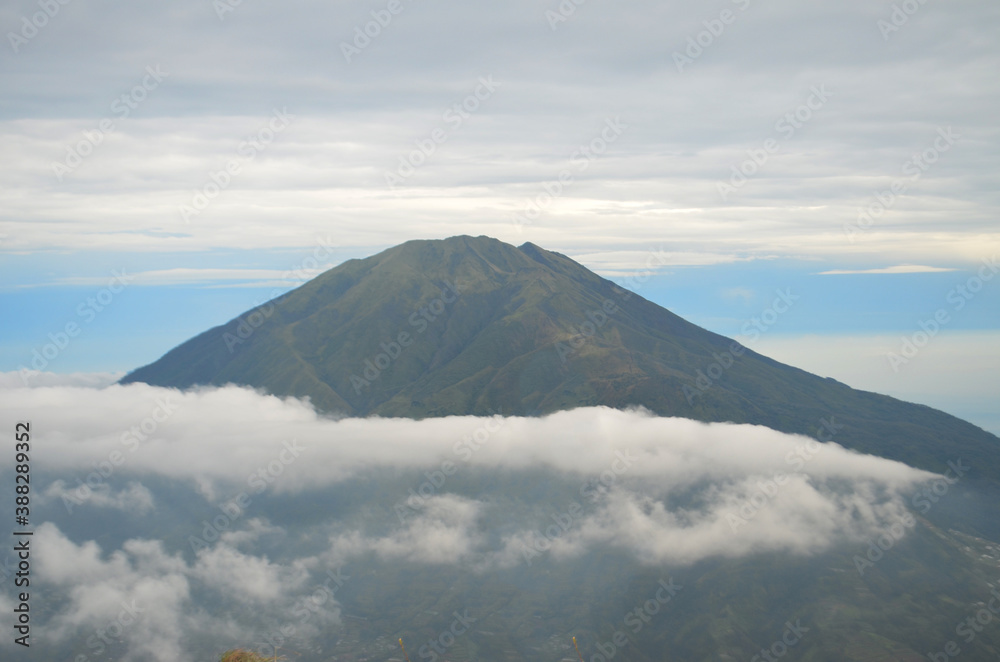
[(471, 325)]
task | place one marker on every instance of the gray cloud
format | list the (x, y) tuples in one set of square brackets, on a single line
[(354, 120)]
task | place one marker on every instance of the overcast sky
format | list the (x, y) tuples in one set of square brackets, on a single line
[(730, 133), (555, 84)]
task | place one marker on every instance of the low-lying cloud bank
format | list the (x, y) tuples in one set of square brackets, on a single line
[(25, 378), (235, 432), (663, 490)]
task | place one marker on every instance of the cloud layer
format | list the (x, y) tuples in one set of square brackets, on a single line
[(661, 491), (884, 97), (236, 432)]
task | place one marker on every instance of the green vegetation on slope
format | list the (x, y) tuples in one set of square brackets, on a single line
[(531, 332)]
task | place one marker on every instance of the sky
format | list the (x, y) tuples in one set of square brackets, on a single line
[(167, 167), (816, 180)]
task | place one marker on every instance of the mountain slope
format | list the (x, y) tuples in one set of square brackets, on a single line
[(474, 326)]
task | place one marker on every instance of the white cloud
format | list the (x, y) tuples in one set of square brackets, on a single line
[(134, 498), (650, 262), (661, 457), (272, 435), (744, 294), (139, 594), (900, 269), (801, 516), (662, 490), (230, 571), (181, 276), (32, 378), (441, 530), (144, 597)]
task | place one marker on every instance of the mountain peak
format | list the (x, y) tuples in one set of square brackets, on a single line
[(472, 325)]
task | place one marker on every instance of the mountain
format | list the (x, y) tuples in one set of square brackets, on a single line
[(471, 325), (466, 325)]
